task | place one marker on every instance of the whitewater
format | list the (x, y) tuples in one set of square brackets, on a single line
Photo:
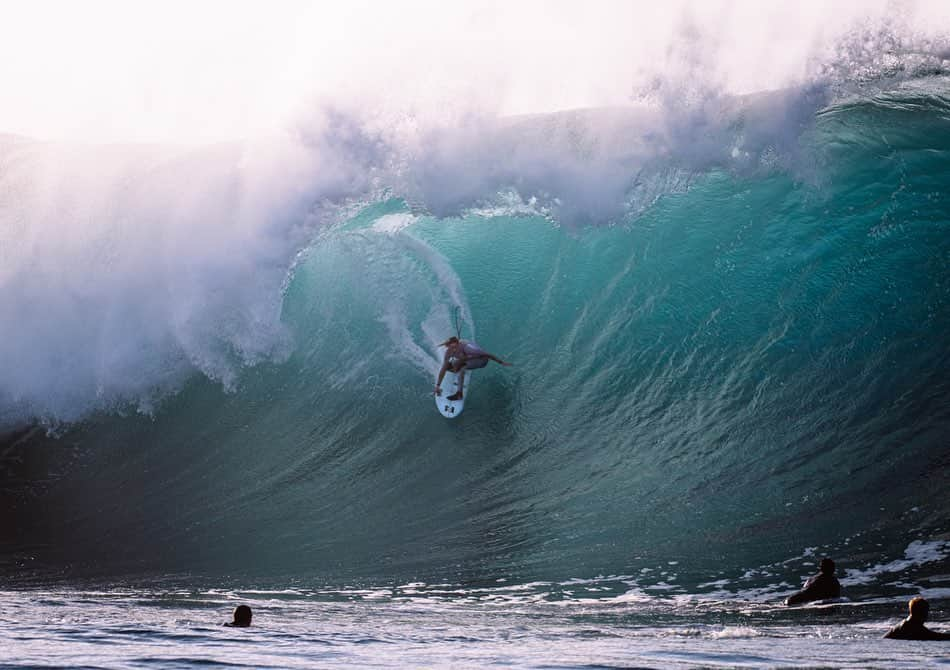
[(727, 313)]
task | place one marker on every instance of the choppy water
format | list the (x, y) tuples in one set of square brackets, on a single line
[(537, 625)]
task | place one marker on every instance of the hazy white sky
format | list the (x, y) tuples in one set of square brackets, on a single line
[(207, 70)]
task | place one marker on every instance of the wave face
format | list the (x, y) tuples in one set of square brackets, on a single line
[(750, 360)]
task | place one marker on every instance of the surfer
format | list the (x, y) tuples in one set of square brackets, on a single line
[(913, 628), (242, 617), (819, 587), (462, 355)]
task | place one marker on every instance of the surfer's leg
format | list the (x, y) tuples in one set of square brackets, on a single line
[(458, 394), (476, 362)]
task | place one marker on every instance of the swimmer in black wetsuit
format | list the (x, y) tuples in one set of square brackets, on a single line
[(461, 355), (242, 617), (819, 587), (913, 628)]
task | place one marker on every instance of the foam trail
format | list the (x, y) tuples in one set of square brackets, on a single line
[(445, 294)]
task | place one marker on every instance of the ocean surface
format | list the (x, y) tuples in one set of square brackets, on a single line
[(729, 327), (574, 624)]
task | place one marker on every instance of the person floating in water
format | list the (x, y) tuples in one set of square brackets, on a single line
[(913, 628), (819, 587), (462, 355), (242, 617)]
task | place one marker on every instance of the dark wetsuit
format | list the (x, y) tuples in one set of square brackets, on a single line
[(820, 587), (908, 629)]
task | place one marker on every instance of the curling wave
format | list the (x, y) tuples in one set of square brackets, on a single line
[(729, 337)]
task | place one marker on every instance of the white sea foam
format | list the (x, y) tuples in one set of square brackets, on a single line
[(737, 632), (917, 553), (392, 223), (128, 269)]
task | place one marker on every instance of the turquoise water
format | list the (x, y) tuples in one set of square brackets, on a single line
[(735, 369)]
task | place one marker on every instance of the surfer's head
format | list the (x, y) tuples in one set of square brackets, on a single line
[(827, 566), (452, 340), (919, 608), (242, 616)]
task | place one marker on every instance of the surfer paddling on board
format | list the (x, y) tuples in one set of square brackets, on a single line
[(822, 586), (462, 355)]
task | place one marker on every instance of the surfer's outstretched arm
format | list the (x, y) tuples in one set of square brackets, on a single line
[(498, 360)]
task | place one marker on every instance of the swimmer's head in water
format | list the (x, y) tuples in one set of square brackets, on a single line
[(919, 607), (827, 565), (242, 616)]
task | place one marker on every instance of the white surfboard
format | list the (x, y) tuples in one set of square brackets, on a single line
[(450, 385)]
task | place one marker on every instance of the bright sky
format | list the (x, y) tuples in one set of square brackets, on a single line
[(204, 70)]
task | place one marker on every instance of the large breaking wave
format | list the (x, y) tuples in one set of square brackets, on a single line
[(728, 319)]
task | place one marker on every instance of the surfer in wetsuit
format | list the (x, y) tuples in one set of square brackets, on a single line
[(820, 587), (913, 628), (462, 355)]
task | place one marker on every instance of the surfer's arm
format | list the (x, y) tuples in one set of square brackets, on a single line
[(796, 599), (934, 635), (498, 360)]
